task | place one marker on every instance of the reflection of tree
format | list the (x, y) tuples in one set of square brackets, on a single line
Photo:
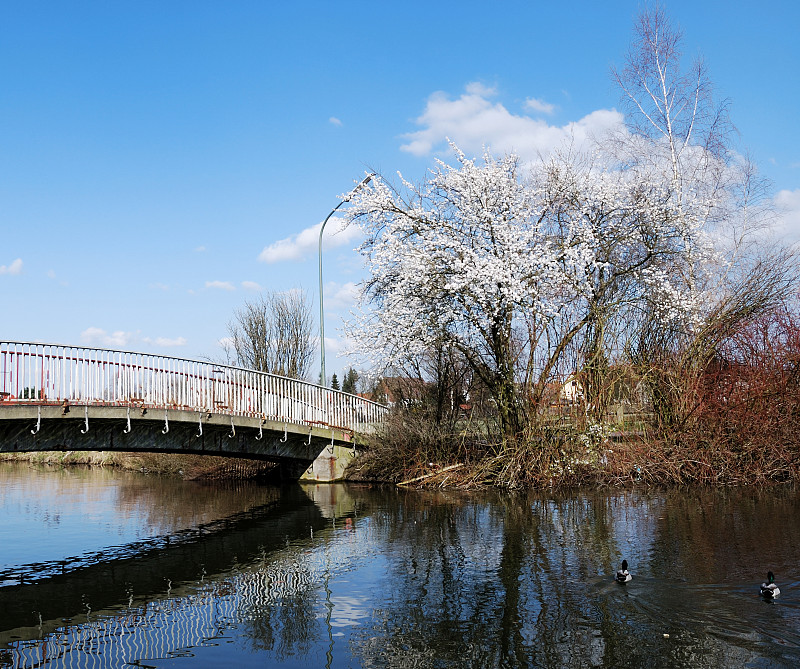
[(572, 544), (291, 622), (280, 609), (517, 582), (710, 535), (160, 504), (494, 581), (707, 540), (518, 529), (457, 590)]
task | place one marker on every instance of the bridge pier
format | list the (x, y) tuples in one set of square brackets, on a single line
[(309, 452)]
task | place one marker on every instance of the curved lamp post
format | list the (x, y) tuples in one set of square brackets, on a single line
[(322, 377)]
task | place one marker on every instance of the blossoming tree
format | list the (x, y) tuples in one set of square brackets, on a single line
[(480, 252), (455, 260), (640, 245)]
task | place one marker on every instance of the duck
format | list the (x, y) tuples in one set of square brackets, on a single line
[(769, 589), (623, 576)]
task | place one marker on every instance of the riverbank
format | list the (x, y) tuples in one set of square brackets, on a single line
[(189, 467), (412, 451)]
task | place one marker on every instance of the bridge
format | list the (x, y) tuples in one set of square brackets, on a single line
[(57, 397)]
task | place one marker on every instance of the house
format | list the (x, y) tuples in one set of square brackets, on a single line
[(571, 392)]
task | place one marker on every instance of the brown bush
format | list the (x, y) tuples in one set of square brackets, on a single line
[(749, 401)]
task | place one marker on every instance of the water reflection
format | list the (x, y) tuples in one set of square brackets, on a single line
[(512, 584), (92, 514), (345, 576)]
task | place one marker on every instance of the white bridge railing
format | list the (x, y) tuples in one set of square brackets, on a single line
[(50, 374)]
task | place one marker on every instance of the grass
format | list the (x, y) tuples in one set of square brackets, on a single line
[(190, 467)]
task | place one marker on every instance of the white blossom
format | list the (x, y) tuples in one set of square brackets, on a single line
[(479, 247)]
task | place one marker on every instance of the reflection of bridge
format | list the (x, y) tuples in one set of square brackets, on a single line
[(83, 399), (250, 570), (267, 539)]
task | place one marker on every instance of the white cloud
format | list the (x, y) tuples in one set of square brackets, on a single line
[(222, 285), (534, 104), (120, 339), (341, 297), (334, 121), (473, 121), (14, 268), (787, 203), (334, 347), (481, 90), (199, 249), (98, 337), (299, 246), (166, 341), (251, 285)]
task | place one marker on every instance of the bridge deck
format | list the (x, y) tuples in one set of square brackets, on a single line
[(61, 397)]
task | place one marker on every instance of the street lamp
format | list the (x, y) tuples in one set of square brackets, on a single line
[(322, 377)]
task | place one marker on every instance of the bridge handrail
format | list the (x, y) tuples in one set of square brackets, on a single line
[(34, 372)]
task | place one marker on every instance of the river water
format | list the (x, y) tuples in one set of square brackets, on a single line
[(100, 568)]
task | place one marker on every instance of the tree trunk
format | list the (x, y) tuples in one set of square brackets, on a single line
[(504, 388), (595, 370)]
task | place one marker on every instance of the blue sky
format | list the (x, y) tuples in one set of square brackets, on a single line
[(163, 161)]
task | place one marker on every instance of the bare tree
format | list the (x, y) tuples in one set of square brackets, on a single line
[(674, 363), (670, 106), (274, 333), (676, 129), (440, 380)]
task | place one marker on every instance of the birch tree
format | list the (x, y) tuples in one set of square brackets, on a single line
[(676, 126), (678, 132)]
